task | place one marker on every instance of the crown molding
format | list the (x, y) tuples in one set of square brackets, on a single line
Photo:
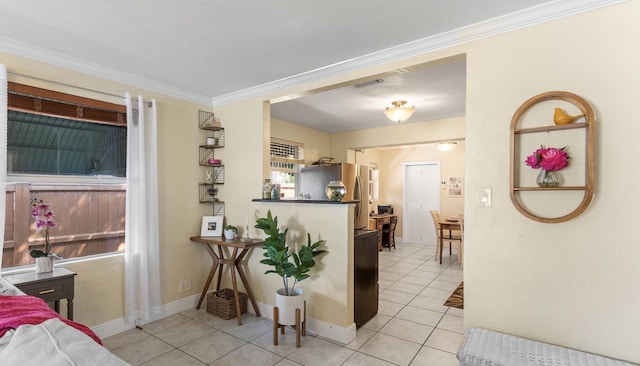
[(68, 62), (521, 19)]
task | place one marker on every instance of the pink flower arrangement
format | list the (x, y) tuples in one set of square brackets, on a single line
[(548, 158), (44, 220)]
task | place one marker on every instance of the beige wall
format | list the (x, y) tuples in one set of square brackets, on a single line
[(316, 143), (99, 284), (389, 160), (394, 135), (570, 283), (573, 283), (390, 163), (98, 290)]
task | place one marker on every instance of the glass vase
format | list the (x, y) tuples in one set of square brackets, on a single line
[(336, 190), (547, 178)]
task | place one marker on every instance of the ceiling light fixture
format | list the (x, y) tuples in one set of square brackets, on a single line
[(446, 146), (399, 112)]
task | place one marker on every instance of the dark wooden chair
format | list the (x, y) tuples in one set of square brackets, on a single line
[(389, 233)]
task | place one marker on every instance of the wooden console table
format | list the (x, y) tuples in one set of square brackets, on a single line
[(235, 261), (377, 223), (50, 286)]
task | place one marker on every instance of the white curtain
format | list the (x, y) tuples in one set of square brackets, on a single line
[(142, 262), (3, 153)]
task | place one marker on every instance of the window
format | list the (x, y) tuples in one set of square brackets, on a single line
[(67, 136), (286, 159), (52, 135), (374, 184)]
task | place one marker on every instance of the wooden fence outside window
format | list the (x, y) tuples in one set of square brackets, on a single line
[(90, 220)]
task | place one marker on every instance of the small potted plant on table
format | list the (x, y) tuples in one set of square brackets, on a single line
[(43, 220), (230, 232)]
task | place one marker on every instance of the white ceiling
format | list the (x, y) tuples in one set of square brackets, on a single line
[(437, 90), (217, 51)]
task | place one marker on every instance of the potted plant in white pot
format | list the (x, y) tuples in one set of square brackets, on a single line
[(230, 232), (292, 266), (43, 220)]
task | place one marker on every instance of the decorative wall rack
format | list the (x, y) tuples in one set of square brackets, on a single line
[(516, 188), (214, 173)]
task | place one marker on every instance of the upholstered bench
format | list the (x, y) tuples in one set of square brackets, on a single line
[(483, 347)]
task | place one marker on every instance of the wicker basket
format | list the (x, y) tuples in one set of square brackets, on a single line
[(221, 303)]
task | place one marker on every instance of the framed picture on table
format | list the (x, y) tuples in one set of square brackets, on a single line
[(211, 226)]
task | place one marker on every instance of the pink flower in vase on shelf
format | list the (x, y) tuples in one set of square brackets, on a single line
[(549, 159)]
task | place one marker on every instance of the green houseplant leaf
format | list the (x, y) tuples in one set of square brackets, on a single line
[(278, 255), (231, 228)]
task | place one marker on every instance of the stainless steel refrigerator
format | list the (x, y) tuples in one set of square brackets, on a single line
[(314, 179)]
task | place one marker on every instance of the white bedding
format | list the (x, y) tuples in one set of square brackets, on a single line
[(53, 343)]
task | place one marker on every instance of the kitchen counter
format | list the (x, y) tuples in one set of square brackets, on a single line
[(363, 231)]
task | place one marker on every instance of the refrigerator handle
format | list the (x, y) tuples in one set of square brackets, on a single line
[(359, 198)]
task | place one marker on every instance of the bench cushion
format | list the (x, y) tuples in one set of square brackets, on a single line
[(483, 347)]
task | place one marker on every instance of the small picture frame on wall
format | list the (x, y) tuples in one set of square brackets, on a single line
[(211, 226), (455, 186)]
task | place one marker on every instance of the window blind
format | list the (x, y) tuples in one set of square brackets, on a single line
[(31, 99), (286, 156)]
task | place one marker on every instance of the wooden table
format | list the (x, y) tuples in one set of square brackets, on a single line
[(49, 286), (239, 251), (377, 222), (447, 225)]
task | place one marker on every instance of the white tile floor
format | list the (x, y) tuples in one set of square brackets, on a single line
[(412, 327)]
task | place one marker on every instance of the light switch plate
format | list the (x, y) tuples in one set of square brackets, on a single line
[(485, 197)]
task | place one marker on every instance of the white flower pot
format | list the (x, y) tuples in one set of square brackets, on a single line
[(287, 306), (44, 264), (229, 234)]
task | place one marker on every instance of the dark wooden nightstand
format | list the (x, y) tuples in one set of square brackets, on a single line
[(51, 287)]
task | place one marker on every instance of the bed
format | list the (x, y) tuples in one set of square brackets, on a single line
[(31, 333)]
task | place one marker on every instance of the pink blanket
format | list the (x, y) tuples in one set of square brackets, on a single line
[(18, 310)]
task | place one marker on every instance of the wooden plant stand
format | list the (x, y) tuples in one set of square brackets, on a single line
[(300, 326)]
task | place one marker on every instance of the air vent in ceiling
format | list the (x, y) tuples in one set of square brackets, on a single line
[(367, 83)]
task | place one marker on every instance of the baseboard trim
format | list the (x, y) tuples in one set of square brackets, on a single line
[(119, 325), (323, 329)]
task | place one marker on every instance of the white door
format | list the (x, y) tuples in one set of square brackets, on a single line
[(421, 195)]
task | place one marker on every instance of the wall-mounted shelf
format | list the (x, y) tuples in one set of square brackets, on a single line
[(515, 150), (214, 174)]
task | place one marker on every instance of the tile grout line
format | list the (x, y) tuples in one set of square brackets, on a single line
[(423, 344), (445, 273)]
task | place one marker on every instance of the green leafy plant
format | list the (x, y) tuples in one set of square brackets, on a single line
[(231, 228), (279, 255)]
